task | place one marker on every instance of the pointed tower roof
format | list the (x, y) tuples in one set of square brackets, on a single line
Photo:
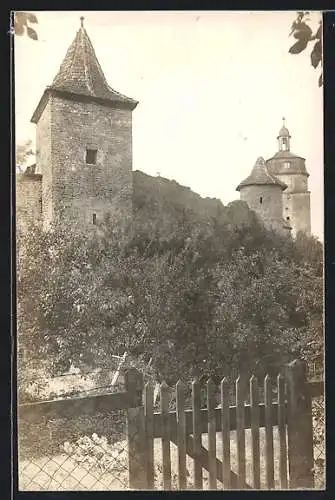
[(261, 176), (80, 74)]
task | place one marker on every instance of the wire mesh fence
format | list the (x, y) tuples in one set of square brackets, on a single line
[(64, 454), (318, 412), (90, 452)]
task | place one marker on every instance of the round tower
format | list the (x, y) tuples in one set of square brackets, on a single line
[(291, 169), (263, 192)]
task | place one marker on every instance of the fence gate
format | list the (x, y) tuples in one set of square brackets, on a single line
[(264, 441)]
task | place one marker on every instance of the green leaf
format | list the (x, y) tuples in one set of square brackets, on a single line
[(32, 33), (298, 47)]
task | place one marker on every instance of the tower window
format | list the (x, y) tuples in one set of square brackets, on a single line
[(287, 218), (91, 156), (287, 164), (94, 219), (261, 200)]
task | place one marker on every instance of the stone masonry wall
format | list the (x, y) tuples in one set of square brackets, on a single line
[(78, 189), (295, 182), (297, 207), (264, 200), (43, 162), (162, 207), (267, 203), (296, 202), (103, 188), (28, 200)]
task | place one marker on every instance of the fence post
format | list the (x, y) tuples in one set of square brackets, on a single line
[(300, 427), (136, 431)]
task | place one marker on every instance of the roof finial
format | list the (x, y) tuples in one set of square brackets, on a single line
[(82, 21), (283, 121)]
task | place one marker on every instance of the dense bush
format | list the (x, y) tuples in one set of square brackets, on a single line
[(208, 295), (46, 437)]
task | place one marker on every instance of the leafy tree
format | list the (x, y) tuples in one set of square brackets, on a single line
[(310, 250), (99, 287), (23, 153), (234, 298), (268, 304), (304, 35)]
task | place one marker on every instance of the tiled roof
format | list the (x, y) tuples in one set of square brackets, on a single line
[(285, 162), (285, 155), (81, 73), (261, 176)]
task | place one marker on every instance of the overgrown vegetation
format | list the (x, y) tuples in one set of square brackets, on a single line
[(211, 296)]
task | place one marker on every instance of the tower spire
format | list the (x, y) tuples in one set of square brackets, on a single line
[(80, 74)]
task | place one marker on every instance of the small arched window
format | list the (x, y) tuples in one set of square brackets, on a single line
[(261, 200)]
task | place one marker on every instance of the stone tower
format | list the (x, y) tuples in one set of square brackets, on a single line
[(291, 170), (84, 142), (263, 192)]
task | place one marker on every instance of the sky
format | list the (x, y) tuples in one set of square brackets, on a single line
[(212, 90)]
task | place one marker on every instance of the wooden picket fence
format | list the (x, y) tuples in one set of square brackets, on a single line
[(284, 404), (290, 412)]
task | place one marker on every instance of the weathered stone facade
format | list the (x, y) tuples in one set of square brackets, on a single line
[(83, 166), (291, 169), (262, 192), (297, 212), (83, 146), (73, 188), (277, 190), (267, 202), (28, 200)]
